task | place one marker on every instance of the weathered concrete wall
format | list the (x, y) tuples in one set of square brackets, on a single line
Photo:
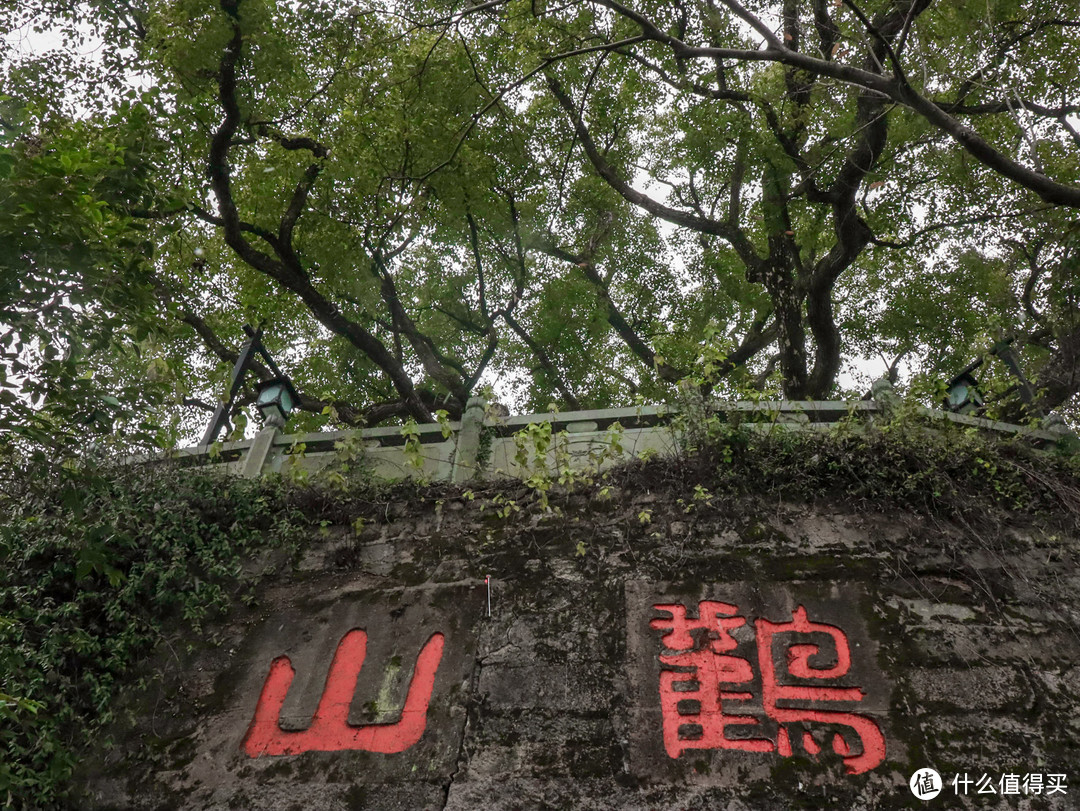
[(896, 642)]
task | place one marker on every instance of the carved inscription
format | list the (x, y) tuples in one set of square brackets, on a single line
[(711, 697), (330, 730)]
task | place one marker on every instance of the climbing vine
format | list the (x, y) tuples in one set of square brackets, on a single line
[(99, 566)]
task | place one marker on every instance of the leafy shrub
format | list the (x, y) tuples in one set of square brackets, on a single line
[(96, 563), (941, 470)]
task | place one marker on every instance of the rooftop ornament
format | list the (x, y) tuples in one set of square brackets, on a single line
[(276, 396)]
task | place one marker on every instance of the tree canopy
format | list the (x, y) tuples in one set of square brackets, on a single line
[(581, 203)]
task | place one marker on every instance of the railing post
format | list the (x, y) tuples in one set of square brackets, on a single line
[(885, 397), (258, 452), (468, 441), (1067, 437)]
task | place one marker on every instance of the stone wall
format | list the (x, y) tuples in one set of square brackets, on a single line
[(649, 645)]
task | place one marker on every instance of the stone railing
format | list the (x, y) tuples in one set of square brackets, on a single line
[(482, 444)]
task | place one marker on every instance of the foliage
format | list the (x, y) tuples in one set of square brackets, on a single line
[(544, 459), (932, 468), (74, 291), (100, 566), (413, 449), (581, 203)]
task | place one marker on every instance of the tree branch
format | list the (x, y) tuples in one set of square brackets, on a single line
[(546, 363), (892, 87), (725, 231), (285, 268)]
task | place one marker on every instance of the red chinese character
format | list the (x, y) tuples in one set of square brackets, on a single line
[(798, 666), (699, 682), (703, 678), (330, 730), (717, 618)]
